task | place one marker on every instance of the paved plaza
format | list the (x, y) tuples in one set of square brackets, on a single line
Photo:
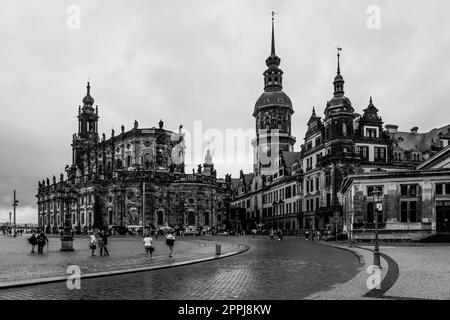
[(126, 253), (288, 269)]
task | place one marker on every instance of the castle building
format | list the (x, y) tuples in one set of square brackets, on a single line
[(303, 190), (134, 178)]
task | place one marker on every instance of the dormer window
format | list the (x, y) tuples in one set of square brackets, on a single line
[(371, 132)]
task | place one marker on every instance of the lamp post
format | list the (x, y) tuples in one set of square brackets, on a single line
[(15, 204), (376, 197), (67, 234)]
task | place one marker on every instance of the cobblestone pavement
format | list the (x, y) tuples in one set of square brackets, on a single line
[(289, 269), (424, 272), (17, 263), (420, 271)]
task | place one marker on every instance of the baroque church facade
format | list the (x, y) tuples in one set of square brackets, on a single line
[(302, 190), (133, 178)]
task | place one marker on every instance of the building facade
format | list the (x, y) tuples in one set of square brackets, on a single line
[(340, 144), (414, 204), (134, 178)]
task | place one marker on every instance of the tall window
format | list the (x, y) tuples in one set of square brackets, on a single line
[(443, 188), (409, 211), (380, 154), (409, 203), (363, 152)]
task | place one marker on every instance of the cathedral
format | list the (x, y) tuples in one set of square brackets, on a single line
[(133, 178)]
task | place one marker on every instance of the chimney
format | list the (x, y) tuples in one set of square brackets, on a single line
[(414, 130), (390, 128)]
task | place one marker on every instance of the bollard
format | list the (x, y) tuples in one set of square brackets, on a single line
[(218, 249)]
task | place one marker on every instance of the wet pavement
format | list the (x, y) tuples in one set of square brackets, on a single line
[(288, 269)]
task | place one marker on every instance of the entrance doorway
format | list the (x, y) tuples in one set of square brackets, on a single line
[(443, 216)]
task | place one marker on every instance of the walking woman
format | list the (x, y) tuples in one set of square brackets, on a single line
[(33, 241), (41, 241), (170, 241), (92, 243), (148, 245)]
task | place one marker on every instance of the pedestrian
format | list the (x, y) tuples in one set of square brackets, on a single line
[(33, 241), (41, 241), (318, 235), (313, 234), (148, 245), (92, 243), (271, 235), (104, 243), (280, 235), (170, 241)]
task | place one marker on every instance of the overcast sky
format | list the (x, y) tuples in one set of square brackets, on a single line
[(185, 61)]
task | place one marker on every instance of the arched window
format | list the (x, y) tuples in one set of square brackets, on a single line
[(344, 129), (206, 216), (160, 217), (191, 218), (128, 161), (119, 164), (147, 162)]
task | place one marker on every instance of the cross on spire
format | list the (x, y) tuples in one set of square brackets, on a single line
[(339, 49), (273, 34)]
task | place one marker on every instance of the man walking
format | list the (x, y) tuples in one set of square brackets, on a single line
[(104, 243)]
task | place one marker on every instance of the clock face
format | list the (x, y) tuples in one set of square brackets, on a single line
[(147, 143)]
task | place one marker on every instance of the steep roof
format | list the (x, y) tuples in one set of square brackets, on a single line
[(421, 142), (290, 158)]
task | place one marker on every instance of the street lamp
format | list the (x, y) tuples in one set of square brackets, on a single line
[(67, 234), (15, 204), (376, 197)]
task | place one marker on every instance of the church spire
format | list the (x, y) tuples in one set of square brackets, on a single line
[(338, 80), (88, 100), (273, 35), (273, 75)]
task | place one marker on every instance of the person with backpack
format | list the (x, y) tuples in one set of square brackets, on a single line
[(33, 241), (170, 241), (41, 242)]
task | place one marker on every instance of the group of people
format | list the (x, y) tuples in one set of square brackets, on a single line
[(314, 234), (101, 240), (40, 241), (148, 244), (278, 233)]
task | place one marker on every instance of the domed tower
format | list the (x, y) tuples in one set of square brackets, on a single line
[(339, 115), (87, 128), (273, 109)]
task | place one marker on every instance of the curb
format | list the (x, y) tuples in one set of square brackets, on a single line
[(32, 282), (356, 253)]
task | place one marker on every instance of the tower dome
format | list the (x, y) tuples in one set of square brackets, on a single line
[(88, 100)]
